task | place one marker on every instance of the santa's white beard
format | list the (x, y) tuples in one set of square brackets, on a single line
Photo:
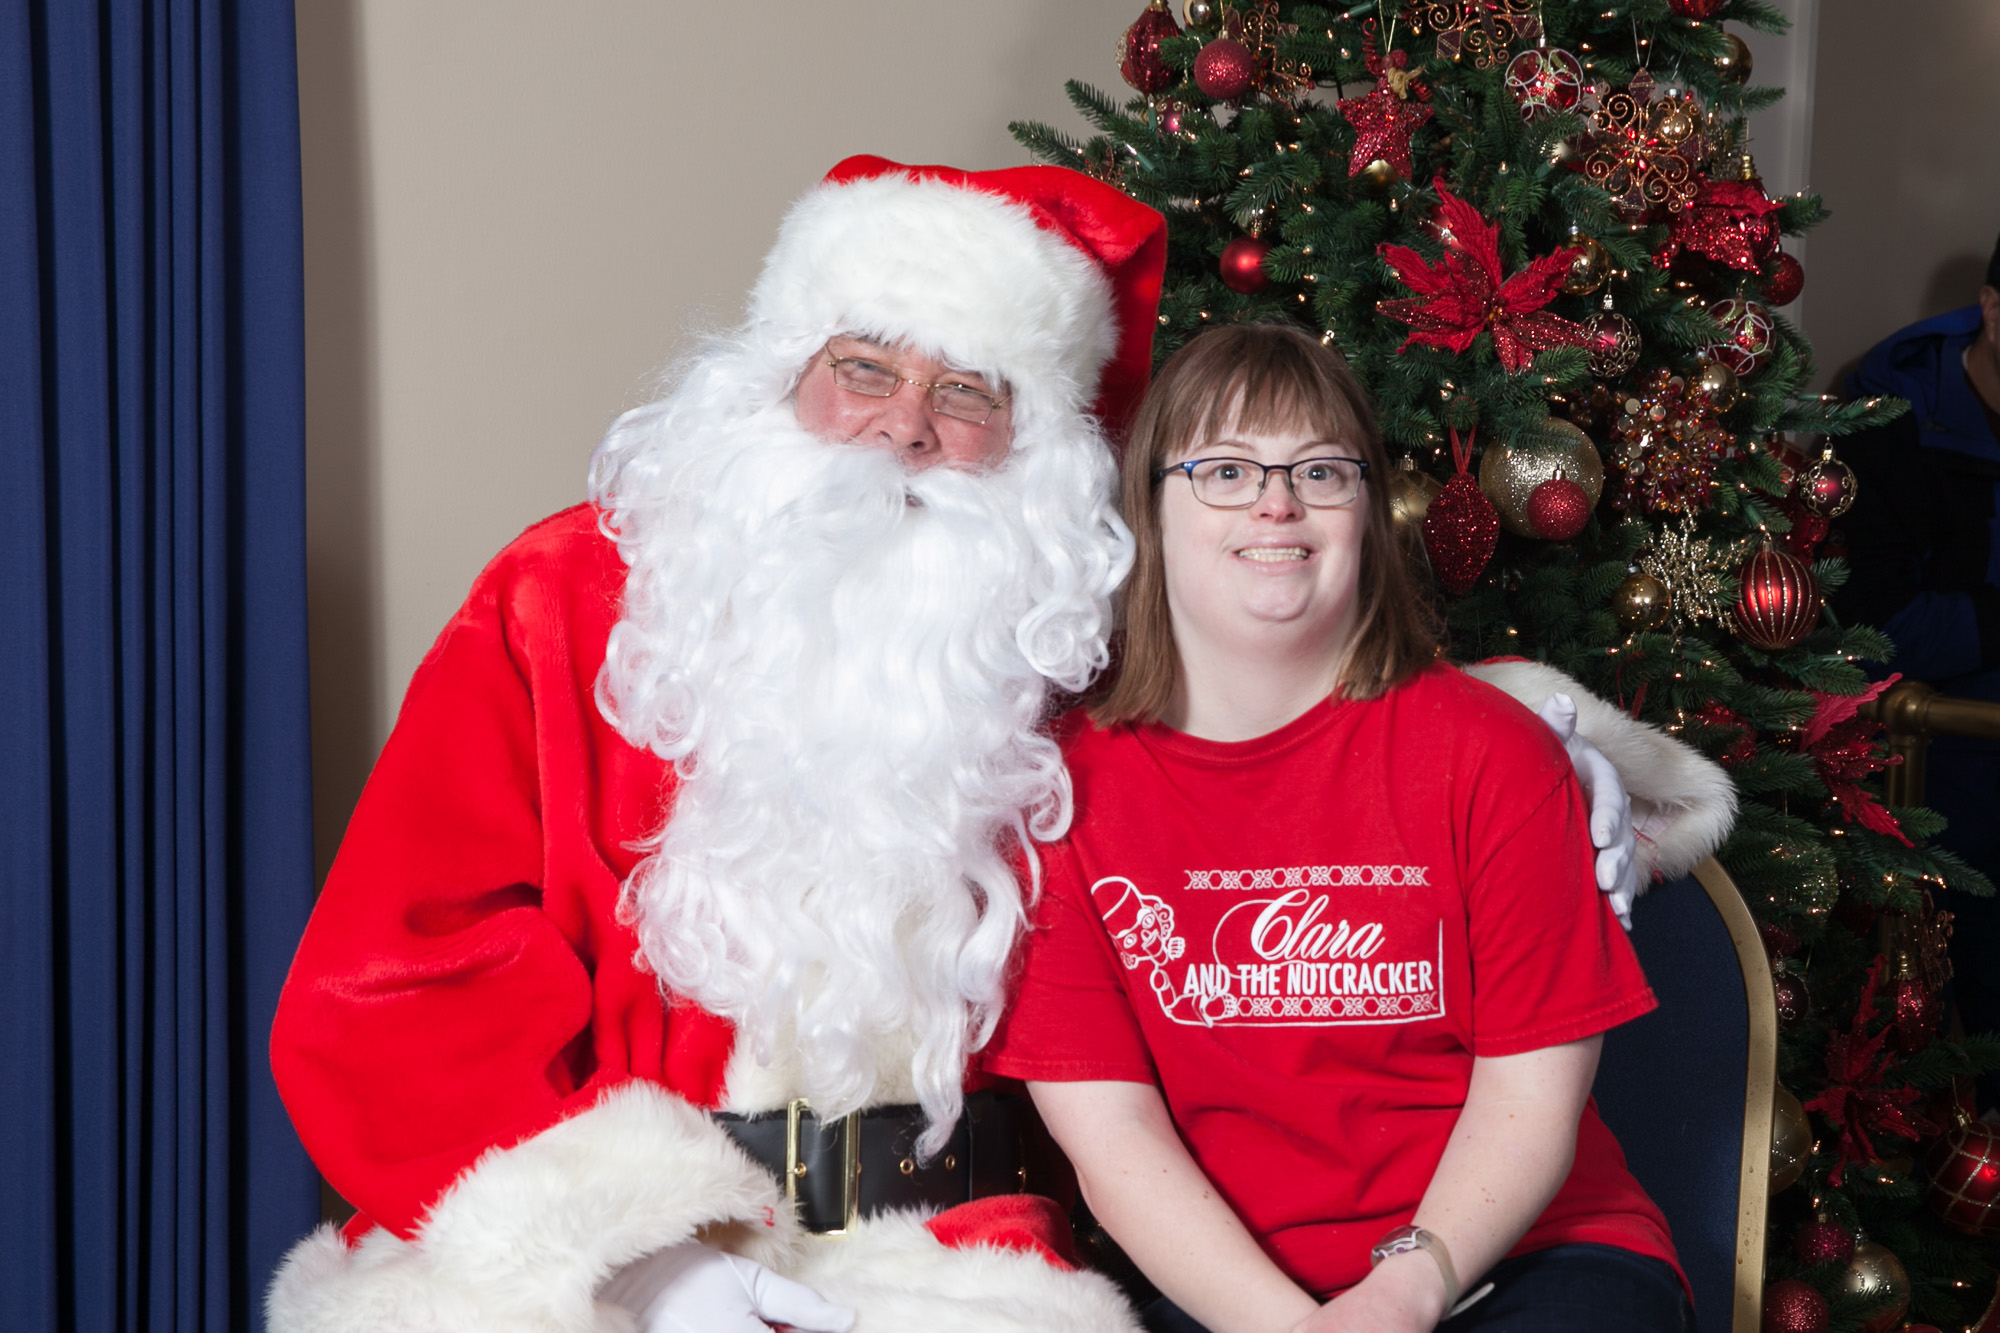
[(850, 664)]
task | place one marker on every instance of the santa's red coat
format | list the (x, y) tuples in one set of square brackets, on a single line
[(471, 1053)]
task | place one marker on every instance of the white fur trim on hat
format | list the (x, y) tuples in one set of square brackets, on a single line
[(957, 273)]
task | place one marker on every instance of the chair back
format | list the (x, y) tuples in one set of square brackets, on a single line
[(1687, 1089)]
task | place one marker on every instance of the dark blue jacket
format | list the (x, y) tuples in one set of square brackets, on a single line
[(1924, 549)]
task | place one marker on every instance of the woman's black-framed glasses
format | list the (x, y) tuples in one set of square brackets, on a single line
[(1238, 483)]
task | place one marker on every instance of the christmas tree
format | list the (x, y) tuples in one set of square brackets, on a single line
[(1535, 230)]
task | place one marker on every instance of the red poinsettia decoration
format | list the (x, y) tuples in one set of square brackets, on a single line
[(1844, 749), (1729, 222), (1463, 295), (1742, 737), (1855, 1101)]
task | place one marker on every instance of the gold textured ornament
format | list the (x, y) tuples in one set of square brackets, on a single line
[(1713, 382), (1828, 487), (1411, 491), (1589, 269), (1791, 1140), (1509, 474), (1875, 1275), (1641, 602)]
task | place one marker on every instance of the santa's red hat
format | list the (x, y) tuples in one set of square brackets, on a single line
[(1041, 276)]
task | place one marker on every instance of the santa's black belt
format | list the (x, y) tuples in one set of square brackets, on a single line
[(859, 1164)]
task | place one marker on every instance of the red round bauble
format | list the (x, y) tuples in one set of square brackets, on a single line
[(1142, 66), (1558, 508), (1785, 281), (1778, 604), (1793, 1307), (1547, 78), (1779, 943), (1748, 335), (1461, 529), (1794, 1000), (1242, 265), (1695, 9), (1963, 1168), (1225, 69), (1822, 1243)]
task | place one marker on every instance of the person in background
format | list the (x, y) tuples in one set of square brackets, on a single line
[(1316, 991), (1923, 548)]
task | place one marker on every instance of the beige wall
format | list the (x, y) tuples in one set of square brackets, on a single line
[(516, 209), (1904, 152)]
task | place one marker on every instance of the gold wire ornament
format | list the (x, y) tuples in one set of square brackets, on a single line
[(1646, 152), (1481, 29), (1280, 80), (1696, 575)]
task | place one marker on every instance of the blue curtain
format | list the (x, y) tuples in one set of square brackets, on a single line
[(155, 843)]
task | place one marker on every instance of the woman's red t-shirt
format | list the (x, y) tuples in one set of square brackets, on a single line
[(1306, 938)]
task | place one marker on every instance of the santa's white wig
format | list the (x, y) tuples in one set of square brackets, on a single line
[(851, 664)]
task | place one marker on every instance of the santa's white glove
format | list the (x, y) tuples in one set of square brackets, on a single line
[(1610, 809), (690, 1288)]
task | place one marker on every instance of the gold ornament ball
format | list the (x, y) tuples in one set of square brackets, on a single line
[(1641, 602), (1588, 270), (1411, 491), (1791, 1140), (1876, 1275), (1198, 13), (1709, 379), (1509, 473), (1734, 65), (1379, 176)]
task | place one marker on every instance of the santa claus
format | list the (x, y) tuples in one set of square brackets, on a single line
[(685, 887)]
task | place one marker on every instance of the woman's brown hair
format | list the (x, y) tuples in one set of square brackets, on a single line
[(1260, 378)]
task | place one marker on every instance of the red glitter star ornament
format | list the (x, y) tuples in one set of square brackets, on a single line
[(1463, 295), (1383, 124)]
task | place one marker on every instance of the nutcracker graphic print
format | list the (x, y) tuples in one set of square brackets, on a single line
[(1288, 948)]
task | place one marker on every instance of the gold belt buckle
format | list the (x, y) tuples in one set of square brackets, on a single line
[(850, 1162)]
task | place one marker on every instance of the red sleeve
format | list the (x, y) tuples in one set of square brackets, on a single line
[(1071, 1019), (1550, 963), (443, 997)]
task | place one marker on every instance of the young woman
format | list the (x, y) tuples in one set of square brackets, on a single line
[(1321, 969)]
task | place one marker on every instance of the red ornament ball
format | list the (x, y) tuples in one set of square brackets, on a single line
[(1778, 603), (1143, 66), (1963, 1169), (1779, 943), (1828, 486), (1461, 528), (1612, 344), (1695, 9), (1243, 265), (1794, 1000), (1544, 79), (1558, 508), (1748, 335), (1785, 281), (1793, 1307), (1225, 69), (1822, 1243)]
